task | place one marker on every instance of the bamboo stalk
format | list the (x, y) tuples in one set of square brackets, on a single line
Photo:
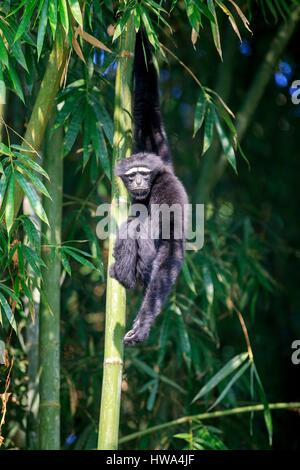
[(116, 297), (257, 88), (49, 315), (44, 102), (211, 415)]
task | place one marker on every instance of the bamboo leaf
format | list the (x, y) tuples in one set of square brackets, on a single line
[(9, 206), (152, 373), (234, 379), (193, 14), (81, 260), (52, 15), (73, 130), (33, 260), (16, 83), (230, 367), (208, 130), (87, 134), (215, 27), (3, 52), (5, 150), (121, 24), (77, 49), (104, 118), (63, 13), (152, 36), (42, 28), (231, 19), (31, 164), (35, 180), (188, 278), (33, 197), (267, 411), (208, 284), (76, 11), (226, 144), (25, 19), (137, 18), (184, 339), (15, 48), (31, 231), (199, 112), (153, 394), (92, 40), (3, 186), (9, 292), (8, 311), (65, 262), (103, 155), (241, 15)]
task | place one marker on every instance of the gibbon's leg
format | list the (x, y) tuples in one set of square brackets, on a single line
[(125, 254), (166, 268), (146, 254), (145, 260)]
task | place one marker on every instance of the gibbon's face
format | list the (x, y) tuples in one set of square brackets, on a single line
[(138, 173), (138, 181)]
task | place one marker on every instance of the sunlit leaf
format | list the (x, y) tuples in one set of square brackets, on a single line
[(63, 13), (8, 312), (9, 206), (76, 11), (3, 52), (42, 28), (34, 199), (52, 14)]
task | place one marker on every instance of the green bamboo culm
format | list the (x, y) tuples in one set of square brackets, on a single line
[(116, 297), (44, 102), (49, 315)]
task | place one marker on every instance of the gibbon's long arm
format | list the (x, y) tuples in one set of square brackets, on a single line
[(149, 133)]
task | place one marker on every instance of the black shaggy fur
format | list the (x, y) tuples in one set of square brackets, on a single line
[(153, 263)]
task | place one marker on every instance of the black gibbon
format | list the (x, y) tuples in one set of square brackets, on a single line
[(153, 262)]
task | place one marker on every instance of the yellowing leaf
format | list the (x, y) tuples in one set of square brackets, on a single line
[(77, 49), (92, 40)]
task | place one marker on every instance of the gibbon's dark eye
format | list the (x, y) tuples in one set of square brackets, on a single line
[(132, 177)]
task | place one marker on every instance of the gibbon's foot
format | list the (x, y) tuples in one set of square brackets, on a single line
[(135, 336)]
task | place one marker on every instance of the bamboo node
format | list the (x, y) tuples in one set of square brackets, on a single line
[(113, 360), (127, 55)]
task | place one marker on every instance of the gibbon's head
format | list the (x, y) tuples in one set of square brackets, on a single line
[(138, 173)]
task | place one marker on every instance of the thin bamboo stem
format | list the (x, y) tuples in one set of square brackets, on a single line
[(44, 102), (116, 298), (49, 315), (259, 84), (212, 415)]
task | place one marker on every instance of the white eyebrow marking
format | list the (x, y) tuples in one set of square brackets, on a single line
[(132, 170), (139, 169)]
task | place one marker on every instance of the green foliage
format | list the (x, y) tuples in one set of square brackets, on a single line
[(193, 360), (209, 109), (18, 167), (202, 438)]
